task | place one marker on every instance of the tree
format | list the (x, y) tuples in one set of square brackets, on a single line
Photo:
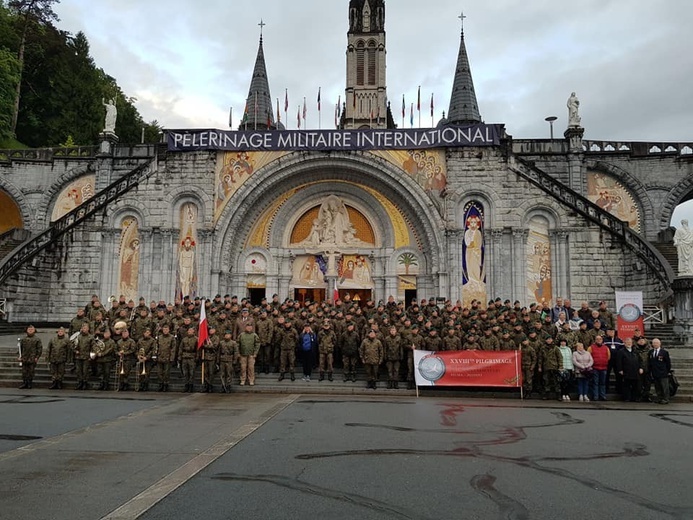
[(9, 77), (407, 260), (34, 12)]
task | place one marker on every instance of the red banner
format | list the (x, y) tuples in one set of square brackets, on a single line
[(468, 368)]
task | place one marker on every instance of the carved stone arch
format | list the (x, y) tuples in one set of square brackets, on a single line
[(682, 192), (43, 214), (313, 195), (480, 196), (637, 189), (423, 268), (199, 197), (300, 168), (21, 201), (240, 266), (123, 209), (540, 210)]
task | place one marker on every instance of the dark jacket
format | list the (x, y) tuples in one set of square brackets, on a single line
[(660, 365), (628, 363)]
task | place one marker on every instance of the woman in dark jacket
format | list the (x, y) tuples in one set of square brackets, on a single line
[(307, 346)]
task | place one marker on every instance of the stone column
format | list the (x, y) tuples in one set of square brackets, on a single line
[(109, 262), (575, 158), (454, 264), (683, 306), (495, 279), (519, 264), (559, 263), (168, 266)]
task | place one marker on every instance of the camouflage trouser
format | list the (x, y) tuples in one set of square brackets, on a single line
[(83, 369), (226, 373), (326, 362), (163, 372), (349, 363), (264, 356), (392, 370), (104, 368), (188, 366), (410, 365), (210, 371), (57, 371), (28, 371), (371, 372), (551, 383), (288, 357), (527, 378)]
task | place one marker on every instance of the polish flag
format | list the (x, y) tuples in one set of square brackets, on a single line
[(202, 332), (335, 296)]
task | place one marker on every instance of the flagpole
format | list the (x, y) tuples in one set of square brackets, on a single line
[(418, 105), (319, 110), (286, 107), (432, 113), (404, 109), (231, 118), (203, 367)]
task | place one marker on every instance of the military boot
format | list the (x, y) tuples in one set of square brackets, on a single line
[(211, 389), (374, 385), (329, 376), (322, 377), (410, 385), (293, 376), (389, 384), (346, 377), (353, 377), (28, 384), (165, 387), (281, 377), (54, 386), (60, 385), (395, 384), (161, 387)]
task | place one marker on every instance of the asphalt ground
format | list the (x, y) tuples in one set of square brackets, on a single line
[(69, 455)]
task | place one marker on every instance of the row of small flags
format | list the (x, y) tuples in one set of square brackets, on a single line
[(302, 111)]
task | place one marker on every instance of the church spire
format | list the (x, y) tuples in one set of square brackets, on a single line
[(259, 113), (463, 105)]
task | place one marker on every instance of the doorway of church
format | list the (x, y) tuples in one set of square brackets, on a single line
[(409, 296), (256, 296), (303, 295), (360, 296)]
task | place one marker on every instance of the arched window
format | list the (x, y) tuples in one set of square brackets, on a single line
[(360, 62)]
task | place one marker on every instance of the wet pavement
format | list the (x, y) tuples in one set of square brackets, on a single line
[(67, 455)]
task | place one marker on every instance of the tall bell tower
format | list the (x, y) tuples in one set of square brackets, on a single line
[(366, 91)]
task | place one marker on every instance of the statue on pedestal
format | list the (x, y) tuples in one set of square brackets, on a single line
[(111, 115), (683, 240), (573, 107), (333, 226)]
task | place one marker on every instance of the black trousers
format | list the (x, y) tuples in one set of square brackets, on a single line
[(631, 390)]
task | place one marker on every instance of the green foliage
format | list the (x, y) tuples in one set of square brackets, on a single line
[(9, 76), (62, 88)]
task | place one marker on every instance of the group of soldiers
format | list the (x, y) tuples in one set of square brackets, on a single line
[(157, 337)]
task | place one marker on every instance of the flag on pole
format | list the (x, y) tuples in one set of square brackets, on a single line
[(411, 116), (298, 117), (319, 107), (404, 107), (335, 296), (286, 100), (279, 116), (431, 105), (305, 110), (202, 331), (245, 115), (418, 102), (336, 115)]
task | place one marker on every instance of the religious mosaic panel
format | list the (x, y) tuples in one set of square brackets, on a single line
[(187, 269), (354, 272), (309, 271), (612, 196), (426, 166), (129, 259), (473, 254), (539, 287), (73, 195), (332, 224), (233, 170), (407, 271)]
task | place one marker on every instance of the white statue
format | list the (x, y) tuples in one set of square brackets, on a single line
[(333, 226), (111, 115), (573, 107), (683, 240), (186, 265)]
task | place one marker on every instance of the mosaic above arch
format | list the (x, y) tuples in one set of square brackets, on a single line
[(427, 167), (612, 196), (73, 195)]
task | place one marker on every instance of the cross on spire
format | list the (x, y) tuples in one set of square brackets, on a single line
[(462, 17), (262, 25)]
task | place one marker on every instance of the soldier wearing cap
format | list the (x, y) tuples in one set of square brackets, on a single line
[(433, 342), (82, 350), (166, 354), (265, 331), (242, 321), (104, 351), (31, 350), (372, 355), (248, 347), (451, 341), (349, 342), (327, 340), (146, 347), (416, 343), (529, 363), (187, 356), (228, 354), (471, 343), (506, 343), (287, 342), (392, 353), (58, 349), (488, 341)]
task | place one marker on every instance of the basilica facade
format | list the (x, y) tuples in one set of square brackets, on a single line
[(365, 212)]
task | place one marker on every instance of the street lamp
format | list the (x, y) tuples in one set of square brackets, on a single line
[(550, 120)]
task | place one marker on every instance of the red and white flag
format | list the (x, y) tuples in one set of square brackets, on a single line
[(202, 331), (305, 110), (298, 117), (335, 296)]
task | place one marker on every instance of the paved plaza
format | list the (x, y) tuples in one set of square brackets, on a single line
[(81, 455)]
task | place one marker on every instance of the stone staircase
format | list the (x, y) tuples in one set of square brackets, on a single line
[(12, 239), (669, 251)]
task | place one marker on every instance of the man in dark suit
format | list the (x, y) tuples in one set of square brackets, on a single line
[(660, 368)]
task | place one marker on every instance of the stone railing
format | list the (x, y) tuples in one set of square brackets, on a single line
[(618, 228), (38, 243), (49, 154), (638, 149)]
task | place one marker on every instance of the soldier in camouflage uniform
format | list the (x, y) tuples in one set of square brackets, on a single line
[(146, 348), (489, 342), (165, 355), (371, 353), (265, 331), (506, 342), (187, 356), (58, 349), (529, 363), (432, 341), (327, 340), (451, 341), (126, 349), (82, 348), (287, 342), (210, 357), (550, 362), (416, 343), (104, 349), (228, 353), (248, 347), (392, 347), (31, 348), (349, 346)]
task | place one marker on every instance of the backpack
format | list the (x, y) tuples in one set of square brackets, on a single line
[(673, 384)]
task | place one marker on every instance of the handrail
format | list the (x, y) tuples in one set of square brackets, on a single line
[(29, 249), (653, 315), (617, 227)]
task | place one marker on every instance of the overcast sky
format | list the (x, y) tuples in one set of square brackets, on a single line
[(188, 61)]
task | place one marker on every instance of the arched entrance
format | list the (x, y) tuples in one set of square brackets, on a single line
[(10, 214)]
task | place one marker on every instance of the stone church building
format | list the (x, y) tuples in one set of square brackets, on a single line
[(462, 211)]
